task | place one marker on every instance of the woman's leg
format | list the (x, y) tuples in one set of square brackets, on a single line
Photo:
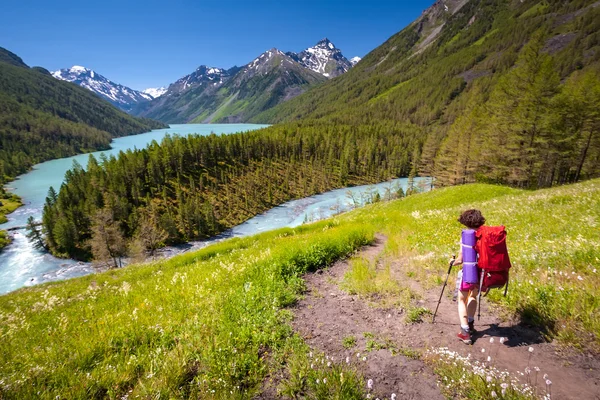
[(463, 297), (472, 304), (471, 308)]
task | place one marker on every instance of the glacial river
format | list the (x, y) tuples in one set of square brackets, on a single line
[(22, 265)]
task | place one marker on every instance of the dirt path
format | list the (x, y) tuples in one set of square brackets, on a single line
[(327, 315)]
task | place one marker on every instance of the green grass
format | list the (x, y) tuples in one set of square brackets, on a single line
[(349, 342), (181, 328), (416, 314), (9, 204), (214, 323)]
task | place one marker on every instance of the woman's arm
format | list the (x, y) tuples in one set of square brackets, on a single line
[(459, 259)]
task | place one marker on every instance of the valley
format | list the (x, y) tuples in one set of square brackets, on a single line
[(491, 104)]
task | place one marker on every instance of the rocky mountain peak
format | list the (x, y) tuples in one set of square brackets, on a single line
[(323, 58)]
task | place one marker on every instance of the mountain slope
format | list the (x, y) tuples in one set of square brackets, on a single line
[(271, 78), (445, 75), (43, 118), (121, 96), (175, 104), (237, 293), (234, 95)]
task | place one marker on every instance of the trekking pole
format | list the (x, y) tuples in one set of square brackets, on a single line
[(479, 295), (444, 287)]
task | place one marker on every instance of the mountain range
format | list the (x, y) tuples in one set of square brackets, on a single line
[(206, 95)]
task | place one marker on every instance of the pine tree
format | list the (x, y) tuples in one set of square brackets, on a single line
[(34, 234)]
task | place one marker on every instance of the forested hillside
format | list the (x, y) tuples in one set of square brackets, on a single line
[(194, 187), (503, 91), (42, 118), (486, 90)]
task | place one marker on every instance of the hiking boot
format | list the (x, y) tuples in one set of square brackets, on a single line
[(464, 336), (472, 327)]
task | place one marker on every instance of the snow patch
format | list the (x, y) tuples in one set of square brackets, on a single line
[(78, 69)]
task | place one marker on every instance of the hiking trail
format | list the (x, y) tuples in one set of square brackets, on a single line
[(327, 315)]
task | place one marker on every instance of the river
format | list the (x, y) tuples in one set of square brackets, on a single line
[(22, 265)]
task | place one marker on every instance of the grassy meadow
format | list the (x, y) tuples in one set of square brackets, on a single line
[(215, 323)]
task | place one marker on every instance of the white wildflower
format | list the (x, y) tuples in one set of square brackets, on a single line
[(491, 340), (530, 349), (370, 384)]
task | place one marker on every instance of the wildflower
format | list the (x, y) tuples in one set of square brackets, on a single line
[(504, 385), (494, 395), (324, 380), (579, 277), (318, 381), (483, 350), (502, 340), (312, 366), (357, 355), (546, 376), (530, 349), (347, 360), (393, 396), (370, 384), (548, 382), (489, 358), (488, 378), (537, 369), (527, 370), (329, 364), (491, 340), (310, 354), (364, 358)]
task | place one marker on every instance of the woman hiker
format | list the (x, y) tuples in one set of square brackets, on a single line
[(468, 289)]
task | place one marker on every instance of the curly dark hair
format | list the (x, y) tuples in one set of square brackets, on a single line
[(472, 219)]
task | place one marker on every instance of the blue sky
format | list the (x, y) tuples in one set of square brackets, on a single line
[(153, 43)]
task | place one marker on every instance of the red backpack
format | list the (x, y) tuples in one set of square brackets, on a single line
[(493, 257)]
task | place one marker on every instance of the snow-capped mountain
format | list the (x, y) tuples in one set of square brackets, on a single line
[(234, 95), (203, 74), (155, 92), (355, 60), (323, 58), (121, 96)]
